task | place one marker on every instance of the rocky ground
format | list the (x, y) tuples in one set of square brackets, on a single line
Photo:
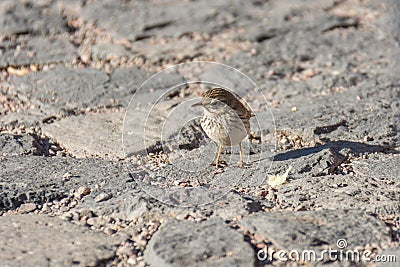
[(71, 195)]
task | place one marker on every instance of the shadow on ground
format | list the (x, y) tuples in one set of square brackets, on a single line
[(356, 148)]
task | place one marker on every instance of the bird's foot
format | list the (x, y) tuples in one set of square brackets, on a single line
[(220, 164), (242, 164), (218, 170)]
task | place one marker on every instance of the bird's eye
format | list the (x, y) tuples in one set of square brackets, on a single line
[(215, 103)]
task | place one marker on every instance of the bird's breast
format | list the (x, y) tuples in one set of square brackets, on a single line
[(226, 129)]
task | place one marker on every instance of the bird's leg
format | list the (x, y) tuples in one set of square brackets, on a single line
[(240, 155), (218, 156)]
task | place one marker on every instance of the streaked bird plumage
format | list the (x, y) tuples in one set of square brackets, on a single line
[(226, 119)]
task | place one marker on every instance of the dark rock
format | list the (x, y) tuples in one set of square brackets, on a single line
[(128, 205), (26, 242), (110, 51), (316, 161), (27, 208), (62, 88), (17, 18), (380, 168), (36, 50), (181, 49), (210, 243), (103, 197), (30, 179), (138, 20), (313, 229), (11, 144), (389, 257), (92, 135), (339, 192)]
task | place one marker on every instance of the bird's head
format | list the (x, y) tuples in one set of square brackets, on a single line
[(215, 99)]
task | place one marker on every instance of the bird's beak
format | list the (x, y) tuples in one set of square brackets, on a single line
[(197, 104)]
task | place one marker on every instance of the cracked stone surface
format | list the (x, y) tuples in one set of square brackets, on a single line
[(393, 252), (35, 18), (326, 91), (313, 229), (338, 192), (62, 88), (180, 243), (12, 145), (70, 244), (43, 179), (96, 135), (36, 50), (380, 168), (137, 20)]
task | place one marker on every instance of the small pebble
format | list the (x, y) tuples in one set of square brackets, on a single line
[(125, 250), (140, 242), (103, 197), (109, 231), (84, 191), (91, 221), (27, 207), (64, 201), (284, 140), (132, 260), (67, 216), (65, 209), (46, 207)]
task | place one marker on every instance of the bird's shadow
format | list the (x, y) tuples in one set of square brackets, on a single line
[(337, 146)]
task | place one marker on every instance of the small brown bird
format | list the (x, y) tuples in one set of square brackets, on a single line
[(226, 119)]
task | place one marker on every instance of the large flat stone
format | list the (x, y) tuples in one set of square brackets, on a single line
[(389, 257), (334, 87), (208, 243), (132, 203), (321, 159), (312, 162), (139, 86), (380, 168), (183, 48), (91, 135), (57, 92), (340, 192), (110, 51), (39, 240), (318, 27), (372, 185), (135, 20), (341, 117), (61, 88), (11, 144), (315, 229), (34, 179), (22, 118), (36, 50), (19, 17)]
